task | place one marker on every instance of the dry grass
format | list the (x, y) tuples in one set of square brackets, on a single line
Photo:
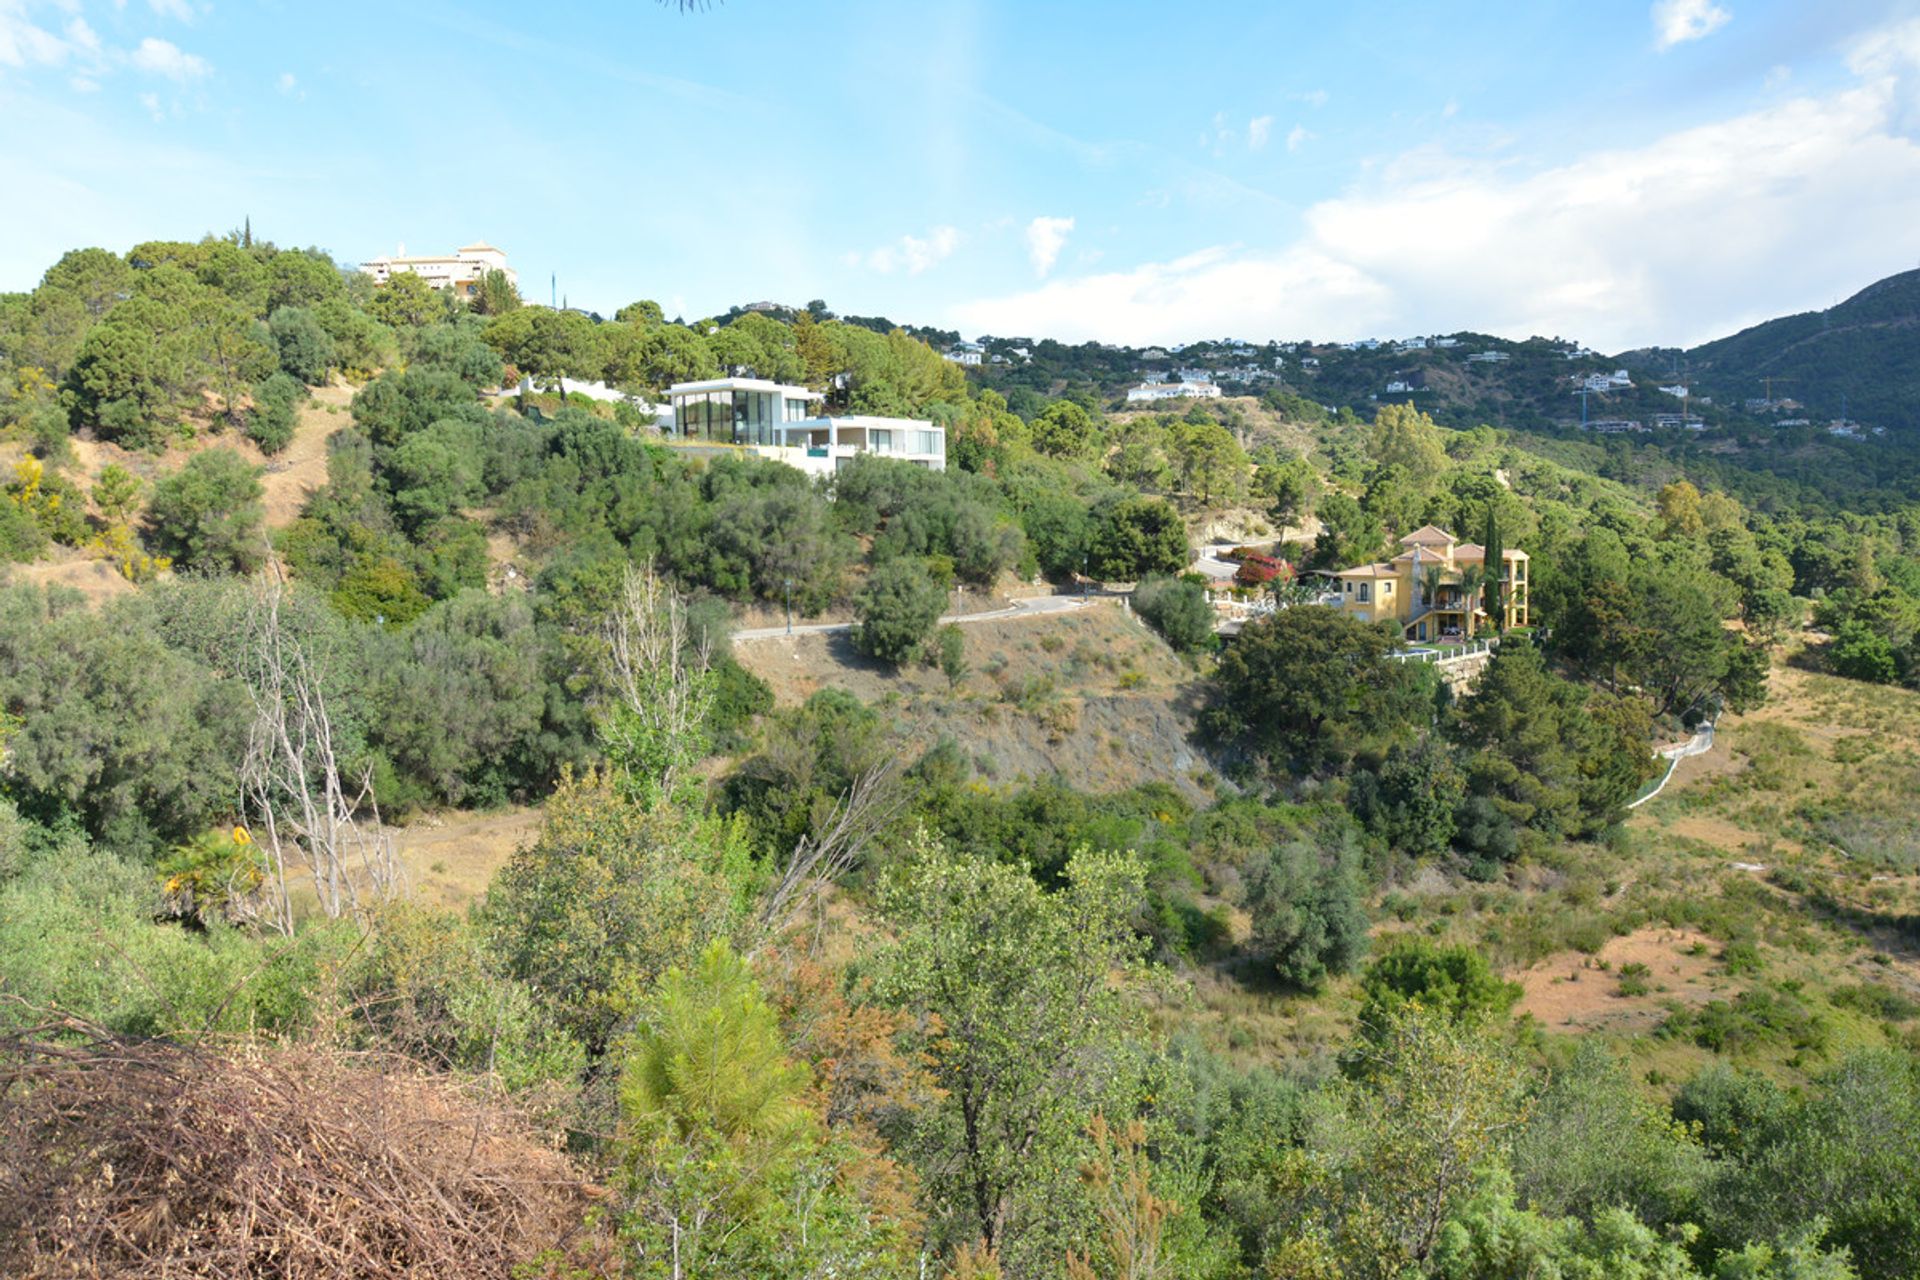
[(446, 859), (1090, 695)]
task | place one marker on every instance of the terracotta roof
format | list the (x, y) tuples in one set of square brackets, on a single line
[(1427, 535), (1367, 571)]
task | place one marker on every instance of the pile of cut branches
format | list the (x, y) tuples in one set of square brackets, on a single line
[(123, 1158)]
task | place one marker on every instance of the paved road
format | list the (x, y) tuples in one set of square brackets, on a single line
[(1029, 607)]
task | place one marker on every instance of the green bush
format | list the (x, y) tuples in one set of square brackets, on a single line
[(1749, 1021), (304, 350), (897, 609), (424, 986), (1177, 609), (79, 934), (1877, 1001), (207, 515), (1308, 903), (1454, 981), (276, 404)]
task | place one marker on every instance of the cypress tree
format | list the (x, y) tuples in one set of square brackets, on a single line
[(1496, 571)]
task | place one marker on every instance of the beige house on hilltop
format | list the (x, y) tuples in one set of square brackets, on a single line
[(1425, 589), (462, 271)]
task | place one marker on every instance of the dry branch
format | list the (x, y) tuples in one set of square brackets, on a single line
[(821, 858), (123, 1158), (294, 787)]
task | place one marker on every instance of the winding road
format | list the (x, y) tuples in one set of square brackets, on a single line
[(1032, 606)]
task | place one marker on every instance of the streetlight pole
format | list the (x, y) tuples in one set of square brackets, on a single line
[(787, 584)]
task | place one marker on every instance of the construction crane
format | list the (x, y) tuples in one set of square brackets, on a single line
[(1768, 382)]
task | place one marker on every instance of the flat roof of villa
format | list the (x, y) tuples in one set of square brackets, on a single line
[(743, 384)]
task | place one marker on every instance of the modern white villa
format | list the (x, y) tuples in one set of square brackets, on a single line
[(786, 424), (1148, 392), (461, 271)]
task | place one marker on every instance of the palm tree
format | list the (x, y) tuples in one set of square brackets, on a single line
[(1472, 580), (1430, 583)]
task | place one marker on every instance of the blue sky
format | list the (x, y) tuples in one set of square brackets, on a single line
[(1621, 173)]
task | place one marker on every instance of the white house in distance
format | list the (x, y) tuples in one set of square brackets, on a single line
[(1615, 381), (785, 423), (461, 271), (1148, 392)]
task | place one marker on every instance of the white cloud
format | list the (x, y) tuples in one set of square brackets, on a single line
[(179, 10), (1259, 129), (82, 37), (23, 44), (913, 253), (287, 82), (1297, 137), (165, 58), (151, 101), (1691, 236), (1313, 97), (1678, 21), (1045, 238)]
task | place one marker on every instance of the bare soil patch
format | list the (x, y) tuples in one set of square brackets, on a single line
[(299, 471), (1572, 991)]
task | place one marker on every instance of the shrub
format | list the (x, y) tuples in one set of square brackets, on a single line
[(1750, 1020), (1177, 609), (303, 347), (952, 646), (897, 611), (207, 515), (1860, 653), (606, 900), (1308, 907), (275, 406), (1877, 1002), (1454, 981)]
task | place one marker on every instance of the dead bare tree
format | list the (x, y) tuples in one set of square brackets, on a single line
[(298, 799), (661, 679), (821, 857)]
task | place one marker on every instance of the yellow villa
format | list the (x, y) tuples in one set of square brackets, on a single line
[(1424, 589)]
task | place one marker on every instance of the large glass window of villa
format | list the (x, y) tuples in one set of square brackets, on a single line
[(713, 419), (750, 425)]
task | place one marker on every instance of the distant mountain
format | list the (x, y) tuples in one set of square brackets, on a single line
[(1863, 353), (1860, 359)]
